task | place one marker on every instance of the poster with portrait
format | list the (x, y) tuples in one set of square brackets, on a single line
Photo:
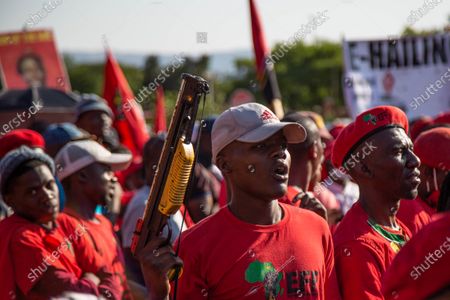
[(410, 72), (30, 58)]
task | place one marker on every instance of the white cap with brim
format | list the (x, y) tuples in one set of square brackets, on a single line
[(251, 123), (76, 155)]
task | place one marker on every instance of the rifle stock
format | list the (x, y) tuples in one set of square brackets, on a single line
[(175, 165)]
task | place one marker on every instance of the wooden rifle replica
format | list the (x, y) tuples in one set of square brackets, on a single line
[(175, 166)]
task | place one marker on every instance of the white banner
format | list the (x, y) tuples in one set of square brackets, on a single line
[(412, 73)]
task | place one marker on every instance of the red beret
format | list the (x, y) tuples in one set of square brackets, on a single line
[(442, 118), (433, 147), (365, 125), (419, 125), (20, 137), (420, 269)]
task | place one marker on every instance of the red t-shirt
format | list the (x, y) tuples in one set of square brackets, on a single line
[(427, 208), (421, 269), (362, 256), (289, 197), (226, 258), (27, 250), (103, 241), (413, 215)]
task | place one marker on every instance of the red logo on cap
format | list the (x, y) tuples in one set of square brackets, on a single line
[(267, 115)]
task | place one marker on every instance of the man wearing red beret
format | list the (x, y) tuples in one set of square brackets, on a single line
[(420, 270), (432, 147), (377, 152), (20, 137)]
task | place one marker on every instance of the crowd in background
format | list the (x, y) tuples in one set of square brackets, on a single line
[(71, 195)]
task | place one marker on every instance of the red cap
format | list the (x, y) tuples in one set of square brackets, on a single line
[(20, 137), (420, 269), (419, 125), (442, 118), (365, 125), (432, 147)]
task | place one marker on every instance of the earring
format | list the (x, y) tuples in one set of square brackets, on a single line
[(251, 168)]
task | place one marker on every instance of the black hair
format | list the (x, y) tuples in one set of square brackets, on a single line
[(24, 167), (312, 131), (444, 197)]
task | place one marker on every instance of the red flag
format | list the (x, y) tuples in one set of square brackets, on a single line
[(129, 118), (264, 67), (160, 111)]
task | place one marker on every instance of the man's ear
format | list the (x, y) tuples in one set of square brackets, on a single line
[(223, 164)]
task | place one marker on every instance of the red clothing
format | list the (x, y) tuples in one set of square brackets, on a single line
[(27, 250), (327, 198), (187, 217), (420, 270), (292, 193), (412, 214), (362, 256), (226, 258), (433, 199), (103, 241)]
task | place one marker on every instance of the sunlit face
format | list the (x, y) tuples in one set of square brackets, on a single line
[(34, 195), (393, 164), (100, 184), (270, 160)]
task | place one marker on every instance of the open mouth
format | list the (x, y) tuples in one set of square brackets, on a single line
[(280, 171)]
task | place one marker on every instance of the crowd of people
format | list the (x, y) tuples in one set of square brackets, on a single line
[(279, 209)]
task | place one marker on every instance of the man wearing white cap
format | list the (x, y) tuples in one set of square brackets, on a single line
[(256, 247), (85, 169)]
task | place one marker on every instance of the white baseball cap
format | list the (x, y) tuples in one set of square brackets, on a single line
[(76, 155), (251, 123)]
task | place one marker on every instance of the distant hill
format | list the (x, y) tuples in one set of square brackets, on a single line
[(221, 63)]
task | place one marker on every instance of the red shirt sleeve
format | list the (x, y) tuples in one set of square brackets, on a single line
[(331, 283), (358, 272), (31, 259)]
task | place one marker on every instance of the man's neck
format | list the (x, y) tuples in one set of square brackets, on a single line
[(380, 209), (81, 206), (255, 211)]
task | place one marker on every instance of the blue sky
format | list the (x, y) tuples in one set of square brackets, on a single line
[(171, 26)]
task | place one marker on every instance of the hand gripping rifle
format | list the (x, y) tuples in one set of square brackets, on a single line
[(175, 166)]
